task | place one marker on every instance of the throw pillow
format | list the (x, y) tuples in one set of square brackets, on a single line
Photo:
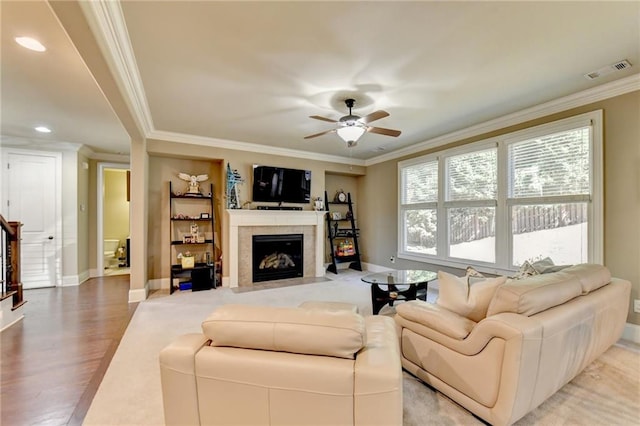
[(546, 266), (526, 270), (468, 299), (472, 272)]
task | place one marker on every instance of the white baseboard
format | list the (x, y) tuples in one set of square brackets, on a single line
[(69, 281), (373, 267), (159, 284), (9, 316), (94, 273), (13, 321), (226, 282), (631, 333), (73, 280), (139, 294)]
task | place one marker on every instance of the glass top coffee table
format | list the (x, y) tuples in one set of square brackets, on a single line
[(391, 286)]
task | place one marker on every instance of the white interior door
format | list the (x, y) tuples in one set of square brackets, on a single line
[(31, 199)]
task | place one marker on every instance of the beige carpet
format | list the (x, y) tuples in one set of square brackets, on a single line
[(606, 393)]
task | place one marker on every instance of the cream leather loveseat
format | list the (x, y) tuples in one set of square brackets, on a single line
[(534, 336), (257, 365)]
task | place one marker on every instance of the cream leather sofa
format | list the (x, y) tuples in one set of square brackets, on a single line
[(257, 365), (537, 335)]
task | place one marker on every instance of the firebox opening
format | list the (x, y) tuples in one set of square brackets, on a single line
[(277, 257)]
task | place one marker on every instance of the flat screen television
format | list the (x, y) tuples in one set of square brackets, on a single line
[(281, 185)]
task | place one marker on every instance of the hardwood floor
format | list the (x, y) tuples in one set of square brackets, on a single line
[(55, 358)]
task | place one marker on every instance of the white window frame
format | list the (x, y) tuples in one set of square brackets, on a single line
[(503, 240)]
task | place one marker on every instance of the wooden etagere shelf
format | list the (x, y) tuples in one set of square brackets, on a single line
[(202, 274), (342, 234)]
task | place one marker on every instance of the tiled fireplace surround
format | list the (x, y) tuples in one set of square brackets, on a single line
[(243, 224)]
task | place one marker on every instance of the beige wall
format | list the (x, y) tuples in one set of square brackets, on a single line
[(83, 215), (162, 171), (334, 182), (139, 207), (70, 246), (168, 158), (92, 238), (378, 193)]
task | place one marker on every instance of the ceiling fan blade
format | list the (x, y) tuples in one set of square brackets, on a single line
[(382, 131), (320, 134), (376, 115), (317, 117)]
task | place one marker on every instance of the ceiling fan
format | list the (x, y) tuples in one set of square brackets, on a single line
[(353, 126)]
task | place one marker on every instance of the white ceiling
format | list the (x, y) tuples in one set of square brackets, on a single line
[(253, 72)]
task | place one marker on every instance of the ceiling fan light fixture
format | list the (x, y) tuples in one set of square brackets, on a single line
[(350, 134), (352, 127)]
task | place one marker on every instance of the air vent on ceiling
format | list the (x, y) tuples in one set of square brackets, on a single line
[(618, 66)]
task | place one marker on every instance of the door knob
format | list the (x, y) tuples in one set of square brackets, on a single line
[(51, 237)]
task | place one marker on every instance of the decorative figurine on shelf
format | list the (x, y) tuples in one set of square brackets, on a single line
[(233, 179), (194, 187), (318, 204)]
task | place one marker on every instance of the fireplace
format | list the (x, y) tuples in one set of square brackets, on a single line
[(277, 257), (243, 224)]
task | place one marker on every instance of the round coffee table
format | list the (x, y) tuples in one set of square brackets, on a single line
[(391, 286)]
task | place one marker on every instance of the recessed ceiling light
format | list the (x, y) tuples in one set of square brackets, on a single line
[(30, 43), (43, 129)]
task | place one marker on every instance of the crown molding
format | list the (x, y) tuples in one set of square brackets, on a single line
[(250, 147), (60, 146), (86, 151), (585, 97), (107, 23), (106, 19), (110, 158), (39, 144)]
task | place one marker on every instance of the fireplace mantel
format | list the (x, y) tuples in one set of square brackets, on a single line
[(237, 219)]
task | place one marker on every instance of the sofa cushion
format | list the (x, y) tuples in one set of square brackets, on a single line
[(535, 294), (436, 317), (298, 330), (467, 296), (591, 276)]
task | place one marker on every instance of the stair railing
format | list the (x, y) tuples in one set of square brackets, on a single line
[(10, 261)]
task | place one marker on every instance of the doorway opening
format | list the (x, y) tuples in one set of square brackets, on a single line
[(113, 215)]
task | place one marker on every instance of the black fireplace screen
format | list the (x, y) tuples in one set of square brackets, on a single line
[(277, 257)]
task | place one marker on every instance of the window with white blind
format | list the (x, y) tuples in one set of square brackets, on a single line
[(549, 195), (470, 203), (420, 194), (495, 203)]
